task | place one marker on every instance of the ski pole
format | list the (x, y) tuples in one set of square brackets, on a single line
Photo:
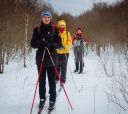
[(39, 75), (72, 74), (59, 77)]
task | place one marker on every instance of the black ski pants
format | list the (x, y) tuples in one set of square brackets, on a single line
[(50, 72), (62, 66)]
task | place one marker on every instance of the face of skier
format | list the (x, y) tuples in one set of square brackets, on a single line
[(46, 19), (62, 26), (79, 32)]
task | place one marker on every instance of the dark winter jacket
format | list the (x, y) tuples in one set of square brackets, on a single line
[(46, 36)]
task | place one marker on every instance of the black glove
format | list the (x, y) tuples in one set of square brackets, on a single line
[(47, 44)]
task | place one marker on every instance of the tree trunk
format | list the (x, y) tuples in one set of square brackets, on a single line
[(2, 63), (1, 69), (26, 37)]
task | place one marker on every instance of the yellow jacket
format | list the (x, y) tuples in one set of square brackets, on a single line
[(65, 38)]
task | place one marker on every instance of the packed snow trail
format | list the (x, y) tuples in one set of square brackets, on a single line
[(17, 86)]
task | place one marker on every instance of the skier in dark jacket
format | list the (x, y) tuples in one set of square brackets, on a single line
[(46, 35), (79, 42)]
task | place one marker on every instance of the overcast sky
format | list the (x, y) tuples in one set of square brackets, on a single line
[(75, 7)]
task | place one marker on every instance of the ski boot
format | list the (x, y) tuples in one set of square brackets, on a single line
[(42, 103), (77, 67), (81, 68), (51, 105)]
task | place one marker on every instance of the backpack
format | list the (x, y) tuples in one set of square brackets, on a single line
[(53, 28)]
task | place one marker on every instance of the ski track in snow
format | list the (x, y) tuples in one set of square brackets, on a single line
[(17, 87)]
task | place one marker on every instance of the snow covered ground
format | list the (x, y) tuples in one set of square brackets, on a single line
[(17, 86)]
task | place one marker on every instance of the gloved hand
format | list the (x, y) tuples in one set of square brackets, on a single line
[(47, 44)]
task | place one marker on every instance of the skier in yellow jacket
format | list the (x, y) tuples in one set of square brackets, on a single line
[(63, 54)]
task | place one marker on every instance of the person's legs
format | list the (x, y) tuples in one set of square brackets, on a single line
[(76, 53), (77, 66), (64, 67), (77, 61), (52, 87), (81, 67), (81, 59), (52, 83), (42, 82), (58, 67), (42, 88)]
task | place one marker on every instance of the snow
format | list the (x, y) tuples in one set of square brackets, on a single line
[(17, 86)]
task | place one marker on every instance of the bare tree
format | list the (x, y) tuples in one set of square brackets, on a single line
[(6, 9), (118, 88), (28, 5)]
